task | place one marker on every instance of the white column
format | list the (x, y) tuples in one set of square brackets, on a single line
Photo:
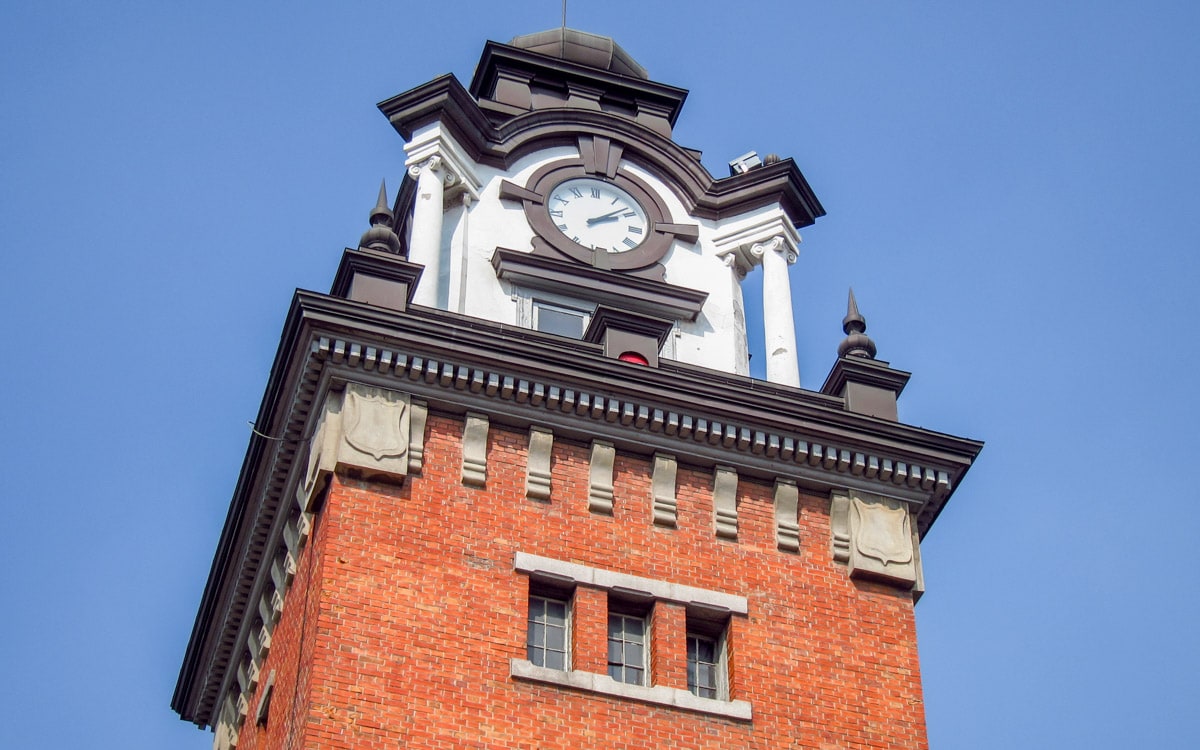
[(459, 260), (426, 245), (741, 347), (779, 328)]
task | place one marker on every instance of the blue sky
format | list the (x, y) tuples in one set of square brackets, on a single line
[(1011, 189)]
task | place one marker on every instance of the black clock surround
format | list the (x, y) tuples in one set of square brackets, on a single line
[(599, 160)]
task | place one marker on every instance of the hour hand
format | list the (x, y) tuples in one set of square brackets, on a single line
[(610, 216)]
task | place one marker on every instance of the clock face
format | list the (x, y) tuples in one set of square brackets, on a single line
[(597, 215)]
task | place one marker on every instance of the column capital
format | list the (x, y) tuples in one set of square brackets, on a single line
[(730, 259), (434, 149), (434, 164), (776, 244)]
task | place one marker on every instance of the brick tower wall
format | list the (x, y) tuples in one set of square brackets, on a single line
[(406, 612)]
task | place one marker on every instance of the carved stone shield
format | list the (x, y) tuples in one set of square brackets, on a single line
[(374, 424), (883, 532)]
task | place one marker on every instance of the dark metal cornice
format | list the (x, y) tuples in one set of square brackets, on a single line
[(496, 55), (489, 345), (196, 691), (445, 100)]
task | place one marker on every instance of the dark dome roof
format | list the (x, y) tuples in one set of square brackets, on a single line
[(592, 50)]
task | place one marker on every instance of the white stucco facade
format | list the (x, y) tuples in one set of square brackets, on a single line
[(475, 221)]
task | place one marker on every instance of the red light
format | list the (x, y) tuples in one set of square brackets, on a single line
[(634, 357)]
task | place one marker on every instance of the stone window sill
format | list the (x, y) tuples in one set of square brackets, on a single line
[(601, 683)]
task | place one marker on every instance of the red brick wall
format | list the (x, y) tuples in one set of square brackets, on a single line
[(292, 647), (414, 612)]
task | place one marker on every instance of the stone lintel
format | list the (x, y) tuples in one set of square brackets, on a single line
[(562, 572), (657, 694)]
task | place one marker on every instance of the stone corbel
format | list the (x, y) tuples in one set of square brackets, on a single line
[(418, 416), (600, 477), (725, 515), (876, 537), (364, 431), (226, 730), (663, 489), (787, 527), (537, 473), (474, 450)]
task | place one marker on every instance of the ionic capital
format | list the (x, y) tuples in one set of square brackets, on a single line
[(434, 165), (774, 245), (730, 259)]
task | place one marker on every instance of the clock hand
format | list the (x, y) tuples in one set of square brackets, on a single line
[(610, 216)]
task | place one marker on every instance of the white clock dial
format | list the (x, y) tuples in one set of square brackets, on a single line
[(597, 215)]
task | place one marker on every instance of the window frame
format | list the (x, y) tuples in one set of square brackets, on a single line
[(627, 614), (703, 626), (715, 612), (548, 596), (539, 305), (529, 300)]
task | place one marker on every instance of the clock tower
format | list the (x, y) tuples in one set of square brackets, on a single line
[(511, 484)]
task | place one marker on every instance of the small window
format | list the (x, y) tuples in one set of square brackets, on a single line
[(707, 671), (703, 666), (559, 319), (549, 622), (627, 647)]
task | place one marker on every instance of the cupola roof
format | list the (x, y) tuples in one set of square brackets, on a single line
[(584, 48)]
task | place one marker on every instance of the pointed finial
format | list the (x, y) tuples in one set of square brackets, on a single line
[(857, 343), (381, 236), (381, 212)]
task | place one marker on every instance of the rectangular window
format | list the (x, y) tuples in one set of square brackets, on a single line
[(546, 644), (559, 319), (707, 662), (627, 648), (703, 666)]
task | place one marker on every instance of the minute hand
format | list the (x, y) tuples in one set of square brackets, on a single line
[(610, 216)]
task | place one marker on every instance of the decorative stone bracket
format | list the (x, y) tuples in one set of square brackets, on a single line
[(365, 431), (875, 536)]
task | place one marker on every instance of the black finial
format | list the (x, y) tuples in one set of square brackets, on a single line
[(381, 212), (857, 343), (381, 236)]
